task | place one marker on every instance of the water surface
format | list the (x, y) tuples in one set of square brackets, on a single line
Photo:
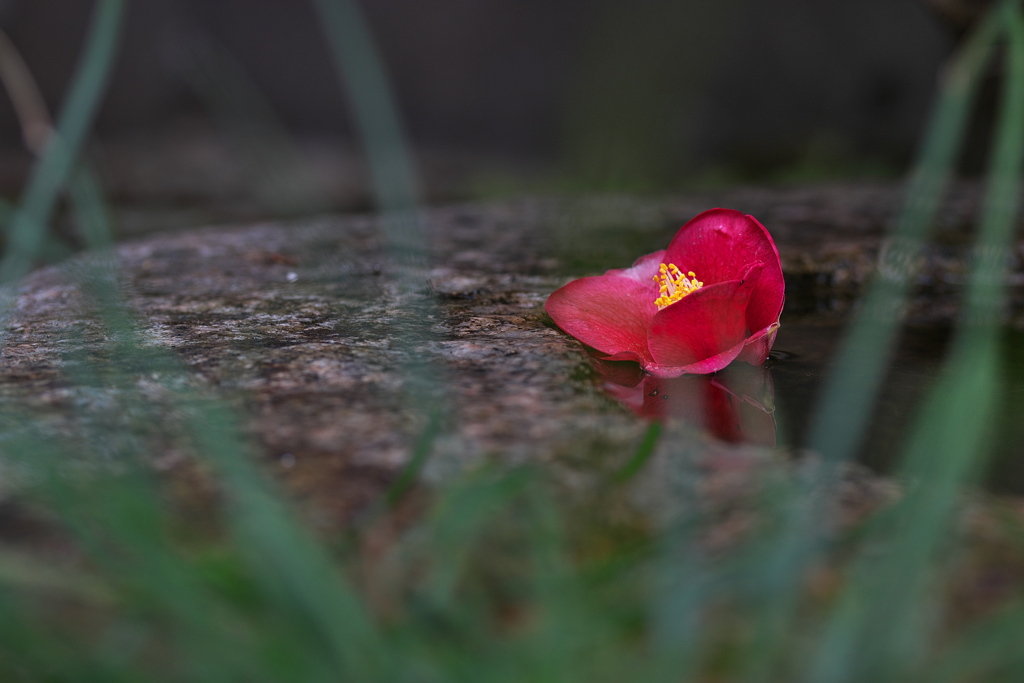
[(804, 352)]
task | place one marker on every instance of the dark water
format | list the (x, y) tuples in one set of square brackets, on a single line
[(802, 357)]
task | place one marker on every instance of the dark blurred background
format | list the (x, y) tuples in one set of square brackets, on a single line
[(232, 108)]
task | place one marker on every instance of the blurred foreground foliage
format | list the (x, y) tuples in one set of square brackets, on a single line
[(496, 575)]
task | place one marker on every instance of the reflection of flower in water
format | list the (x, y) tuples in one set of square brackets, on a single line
[(735, 405)]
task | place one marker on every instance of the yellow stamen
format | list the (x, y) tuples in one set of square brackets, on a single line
[(673, 285)]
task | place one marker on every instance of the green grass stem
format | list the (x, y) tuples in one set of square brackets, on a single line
[(840, 418), (395, 185), (950, 438), (380, 129), (29, 225)]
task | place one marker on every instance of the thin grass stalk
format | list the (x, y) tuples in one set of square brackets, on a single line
[(292, 566), (37, 132), (563, 631), (642, 454), (397, 191), (781, 577), (380, 128), (36, 128), (458, 519), (949, 440), (895, 587), (83, 515), (26, 98), (684, 587), (29, 227), (120, 524), (685, 581), (988, 651), (293, 569), (39, 650), (290, 562), (851, 388), (838, 425)]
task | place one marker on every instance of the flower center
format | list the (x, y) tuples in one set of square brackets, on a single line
[(673, 285)]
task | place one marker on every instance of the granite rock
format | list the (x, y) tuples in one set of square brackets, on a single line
[(302, 326)]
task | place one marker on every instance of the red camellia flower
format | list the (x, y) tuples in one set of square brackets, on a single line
[(714, 296)]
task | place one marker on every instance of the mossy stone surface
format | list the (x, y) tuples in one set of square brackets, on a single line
[(301, 325)]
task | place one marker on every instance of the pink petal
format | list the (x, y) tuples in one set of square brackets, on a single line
[(765, 306), (757, 346), (643, 270), (706, 330), (608, 312), (701, 367), (718, 245)]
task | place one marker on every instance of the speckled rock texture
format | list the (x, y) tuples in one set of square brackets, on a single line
[(299, 325)]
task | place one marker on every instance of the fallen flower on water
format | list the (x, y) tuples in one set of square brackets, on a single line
[(713, 296)]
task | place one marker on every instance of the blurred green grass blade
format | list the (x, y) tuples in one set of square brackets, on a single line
[(91, 209), (7, 211), (458, 519), (988, 651), (29, 225), (376, 115), (892, 587), (683, 590), (563, 626), (118, 520), (395, 185), (641, 456), (24, 572), (53, 248), (93, 520), (838, 424), (852, 386), (789, 546), (420, 452), (969, 387), (292, 565), (35, 649), (98, 273), (950, 437), (986, 295)]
